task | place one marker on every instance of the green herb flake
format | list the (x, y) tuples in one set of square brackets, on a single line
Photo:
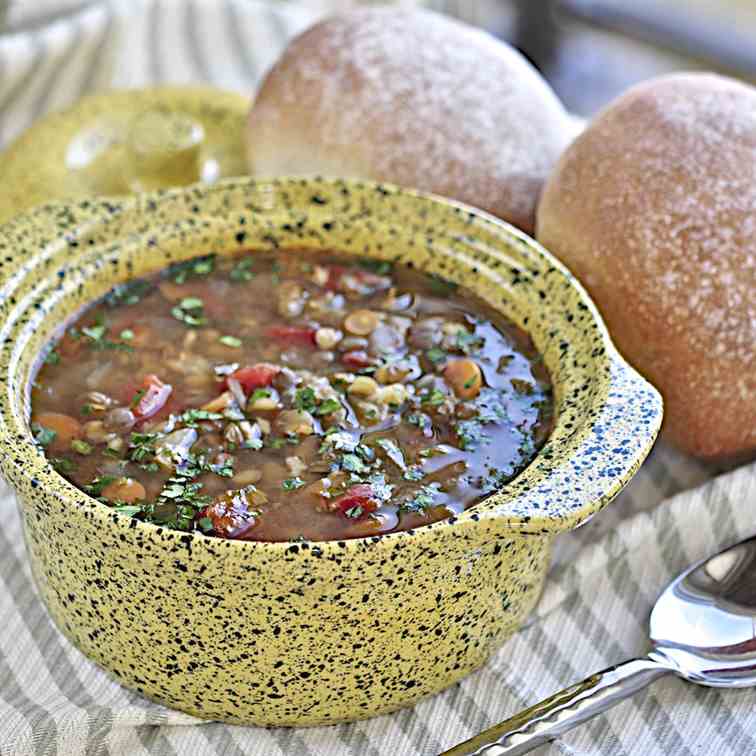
[(128, 293), (199, 266), (381, 267), (190, 311), (352, 463), (43, 436), (96, 486), (96, 336), (137, 397), (328, 407), (421, 501), (436, 355), (126, 334), (129, 510), (81, 447), (292, 484), (63, 465), (305, 399), (354, 512), (434, 397), (191, 417), (259, 393), (205, 524), (230, 341), (52, 358), (468, 342), (242, 271)]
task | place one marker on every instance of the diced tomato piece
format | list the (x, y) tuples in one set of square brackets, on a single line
[(253, 376), (292, 334), (230, 514), (154, 398), (356, 359), (361, 496), (335, 272)]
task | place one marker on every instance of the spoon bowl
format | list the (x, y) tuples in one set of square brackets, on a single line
[(702, 629), (704, 623)]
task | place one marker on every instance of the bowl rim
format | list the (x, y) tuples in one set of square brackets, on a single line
[(29, 462)]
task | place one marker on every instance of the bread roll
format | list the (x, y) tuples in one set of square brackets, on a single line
[(653, 207), (414, 98)]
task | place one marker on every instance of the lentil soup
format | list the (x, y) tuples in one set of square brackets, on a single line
[(288, 395)]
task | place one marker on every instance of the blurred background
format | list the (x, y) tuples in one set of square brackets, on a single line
[(590, 50)]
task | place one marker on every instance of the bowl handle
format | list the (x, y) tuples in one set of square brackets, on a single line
[(572, 479)]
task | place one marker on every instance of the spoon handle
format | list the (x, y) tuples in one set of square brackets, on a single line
[(553, 716)]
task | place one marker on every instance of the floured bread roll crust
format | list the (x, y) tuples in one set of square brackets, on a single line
[(413, 98), (653, 207)]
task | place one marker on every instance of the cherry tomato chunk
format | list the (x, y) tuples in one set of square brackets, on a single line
[(358, 500), (252, 377), (292, 334), (357, 359)]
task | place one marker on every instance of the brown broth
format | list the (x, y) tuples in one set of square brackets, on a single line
[(291, 395)]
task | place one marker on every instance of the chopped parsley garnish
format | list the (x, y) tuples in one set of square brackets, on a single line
[(292, 484), (434, 397), (96, 336), (142, 446), (199, 266), (127, 293), (191, 417), (305, 399), (129, 510), (422, 500), (137, 397), (230, 341), (126, 334), (354, 512), (259, 393), (242, 271), (96, 485), (352, 463), (381, 267), (328, 407), (468, 342), (43, 436), (190, 311), (52, 358), (470, 435), (63, 465), (225, 469), (436, 355), (413, 473), (205, 524), (81, 447)]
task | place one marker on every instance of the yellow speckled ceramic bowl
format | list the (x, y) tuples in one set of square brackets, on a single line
[(307, 633)]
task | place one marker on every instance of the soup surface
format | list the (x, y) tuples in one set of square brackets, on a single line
[(291, 395)]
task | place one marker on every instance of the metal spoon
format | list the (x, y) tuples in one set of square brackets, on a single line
[(702, 628)]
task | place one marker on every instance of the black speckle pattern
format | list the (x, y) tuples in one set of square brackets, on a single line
[(307, 633)]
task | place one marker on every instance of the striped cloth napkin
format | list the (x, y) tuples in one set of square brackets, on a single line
[(606, 575)]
